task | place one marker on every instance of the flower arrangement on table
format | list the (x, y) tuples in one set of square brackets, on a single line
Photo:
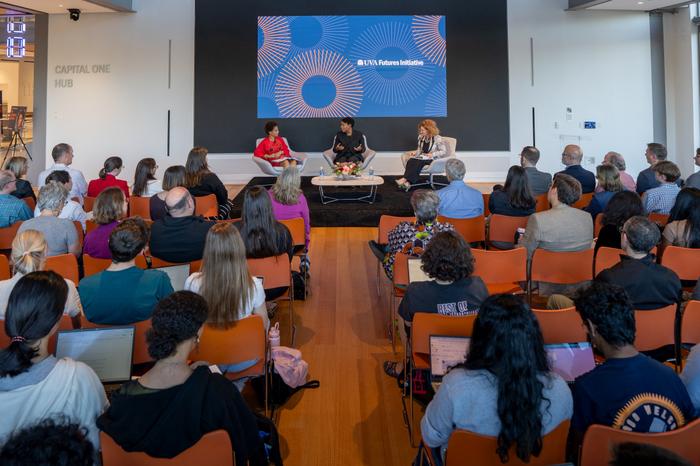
[(347, 169)]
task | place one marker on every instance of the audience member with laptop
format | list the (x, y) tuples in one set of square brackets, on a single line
[(34, 385), (124, 293)]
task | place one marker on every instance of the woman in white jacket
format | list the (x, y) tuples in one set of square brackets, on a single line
[(430, 147), (34, 385)]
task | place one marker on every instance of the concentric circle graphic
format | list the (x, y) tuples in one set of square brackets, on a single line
[(429, 36), (290, 87), (274, 40), (396, 84), (318, 32), (266, 97)]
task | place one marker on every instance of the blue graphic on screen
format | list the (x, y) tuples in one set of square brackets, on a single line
[(338, 66)]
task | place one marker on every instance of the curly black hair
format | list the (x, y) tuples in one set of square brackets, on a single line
[(610, 309), (635, 454), (507, 342), (128, 239), (447, 257), (48, 443), (175, 319)]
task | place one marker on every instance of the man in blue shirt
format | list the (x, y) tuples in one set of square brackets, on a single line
[(629, 391), (12, 210), (572, 157), (458, 200), (646, 179)]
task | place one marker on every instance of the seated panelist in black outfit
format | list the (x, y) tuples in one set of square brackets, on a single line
[(349, 144)]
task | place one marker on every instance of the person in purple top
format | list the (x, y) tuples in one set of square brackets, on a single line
[(110, 207), (288, 201)]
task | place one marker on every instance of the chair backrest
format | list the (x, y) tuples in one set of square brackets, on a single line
[(503, 227), (80, 233), (655, 328), (451, 146), (497, 267), (31, 203), (600, 440), (206, 206), (140, 354), (583, 201), (275, 270), (542, 203), (562, 267), (5, 272), (468, 448), (93, 265), (140, 207), (296, 229), (659, 219), (684, 261), (605, 258), (157, 263), (7, 235), (561, 326), (90, 225), (400, 276), (690, 326), (66, 265), (88, 203), (473, 230), (388, 223), (597, 225), (426, 324), (486, 197), (213, 449), (243, 341)]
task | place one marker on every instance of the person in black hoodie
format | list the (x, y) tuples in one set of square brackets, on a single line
[(174, 404)]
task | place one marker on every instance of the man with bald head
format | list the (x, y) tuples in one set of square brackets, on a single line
[(179, 236), (571, 158)]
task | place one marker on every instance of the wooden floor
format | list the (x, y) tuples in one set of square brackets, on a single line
[(355, 418)]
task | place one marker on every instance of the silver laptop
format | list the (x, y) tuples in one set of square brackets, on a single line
[(178, 275), (415, 273), (445, 353), (570, 360), (108, 351)]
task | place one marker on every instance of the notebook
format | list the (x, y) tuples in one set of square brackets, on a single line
[(415, 273), (445, 353), (178, 275), (108, 351), (570, 360)]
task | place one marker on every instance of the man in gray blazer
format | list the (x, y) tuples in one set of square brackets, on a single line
[(561, 228), (539, 181)]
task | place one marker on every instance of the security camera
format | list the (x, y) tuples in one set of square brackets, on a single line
[(74, 13)]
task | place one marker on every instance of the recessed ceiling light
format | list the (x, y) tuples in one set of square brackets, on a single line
[(640, 3)]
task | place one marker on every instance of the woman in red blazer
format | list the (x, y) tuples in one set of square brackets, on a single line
[(273, 148), (108, 177)]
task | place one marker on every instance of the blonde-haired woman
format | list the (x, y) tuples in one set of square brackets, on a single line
[(609, 182), (29, 255), (23, 188), (224, 280), (288, 201), (430, 147)]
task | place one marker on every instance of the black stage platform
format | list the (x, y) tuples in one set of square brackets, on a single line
[(390, 201)]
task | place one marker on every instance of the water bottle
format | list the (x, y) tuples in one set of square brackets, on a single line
[(321, 171), (371, 171), (274, 335)]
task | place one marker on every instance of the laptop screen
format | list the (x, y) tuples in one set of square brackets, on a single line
[(108, 351), (415, 273), (570, 360), (178, 275), (446, 352)]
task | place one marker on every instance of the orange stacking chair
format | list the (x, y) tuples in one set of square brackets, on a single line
[(92, 265), (140, 207), (276, 273), (469, 449), (542, 203), (659, 219), (80, 232), (88, 203), (31, 203), (501, 271), (560, 326), (560, 267), (502, 228), (600, 440), (583, 201), (486, 197), (690, 327), (5, 272), (656, 328), (66, 265), (8, 234), (473, 230), (684, 261), (213, 449), (206, 206)]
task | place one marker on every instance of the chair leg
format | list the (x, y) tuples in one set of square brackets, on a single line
[(392, 321)]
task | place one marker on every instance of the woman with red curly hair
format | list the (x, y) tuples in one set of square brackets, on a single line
[(430, 147)]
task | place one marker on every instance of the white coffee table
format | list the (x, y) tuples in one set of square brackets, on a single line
[(332, 181)]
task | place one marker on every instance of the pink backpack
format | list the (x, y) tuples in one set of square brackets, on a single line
[(288, 364)]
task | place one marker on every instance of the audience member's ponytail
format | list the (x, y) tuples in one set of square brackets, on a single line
[(28, 252), (35, 306), (111, 164)]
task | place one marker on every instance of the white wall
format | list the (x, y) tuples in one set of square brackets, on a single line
[(25, 87), (597, 63), (123, 112), (9, 82)]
